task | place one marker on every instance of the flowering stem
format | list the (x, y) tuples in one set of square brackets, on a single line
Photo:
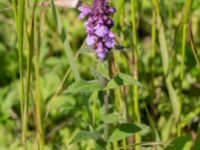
[(135, 70)]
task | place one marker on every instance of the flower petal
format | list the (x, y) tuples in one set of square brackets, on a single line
[(101, 30), (90, 40)]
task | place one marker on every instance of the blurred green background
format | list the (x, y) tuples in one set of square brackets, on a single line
[(72, 112)]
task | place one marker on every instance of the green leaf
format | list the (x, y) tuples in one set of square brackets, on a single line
[(121, 80), (85, 49), (112, 118), (173, 98), (84, 86), (94, 85), (85, 135), (178, 143), (102, 68), (120, 47), (123, 131), (189, 117)]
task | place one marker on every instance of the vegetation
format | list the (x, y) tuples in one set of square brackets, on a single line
[(56, 95)]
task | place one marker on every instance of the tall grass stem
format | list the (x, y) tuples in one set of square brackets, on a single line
[(135, 70), (20, 33), (184, 30)]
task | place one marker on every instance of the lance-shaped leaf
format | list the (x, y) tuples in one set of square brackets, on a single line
[(123, 131), (84, 86), (121, 80)]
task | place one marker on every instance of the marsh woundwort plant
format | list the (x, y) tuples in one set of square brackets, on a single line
[(98, 26), (100, 38)]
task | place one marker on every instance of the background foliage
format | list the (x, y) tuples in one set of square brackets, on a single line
[(72, 109)]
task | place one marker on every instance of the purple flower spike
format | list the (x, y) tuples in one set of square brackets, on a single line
[(98, 26)]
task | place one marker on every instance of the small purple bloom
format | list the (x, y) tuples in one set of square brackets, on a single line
[(111, 10), (90, 40), (109, 42), (101, 30), (101, 55), (84, 12), (101, 51), (111, 35), (98, 26)]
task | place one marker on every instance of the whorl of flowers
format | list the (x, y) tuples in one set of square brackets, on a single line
[(98, 26)]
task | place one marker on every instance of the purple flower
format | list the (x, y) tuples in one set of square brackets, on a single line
[(84, 12), (101, 30), (90, 40), (101, 51), (98, 26), (109, 42)]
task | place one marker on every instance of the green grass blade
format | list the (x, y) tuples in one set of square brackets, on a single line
[(119, 6), (14, 7), (153, 50), (165, 60), (20, 31), (38, 98), (184, 30), (194, 48), (173, 98), (135, 70), (152, 125), (65, 42), (163, 48)]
